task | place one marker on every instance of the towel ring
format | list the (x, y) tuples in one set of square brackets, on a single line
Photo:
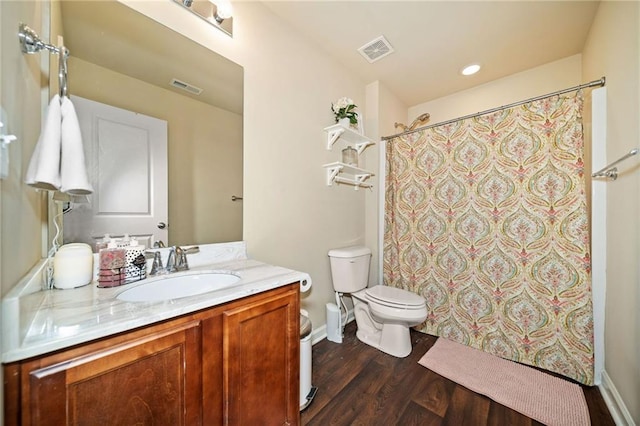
[(63, 55)]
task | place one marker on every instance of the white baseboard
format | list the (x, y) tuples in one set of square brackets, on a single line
[(615, 404)]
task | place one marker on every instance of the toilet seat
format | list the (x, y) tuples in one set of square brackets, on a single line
[(394, 297)]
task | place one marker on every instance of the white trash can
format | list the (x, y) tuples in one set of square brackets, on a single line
[(307, 391)]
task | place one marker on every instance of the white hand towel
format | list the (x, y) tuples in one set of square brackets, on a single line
[(73, 172), (44, 167)]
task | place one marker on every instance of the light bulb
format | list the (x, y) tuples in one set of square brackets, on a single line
[(224, 10)]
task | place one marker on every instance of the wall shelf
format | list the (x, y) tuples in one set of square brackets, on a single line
[(358, 176), (336, 171), (337, 131)]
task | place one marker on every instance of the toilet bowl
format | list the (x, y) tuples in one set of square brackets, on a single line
[(383, 314), (384, 323)]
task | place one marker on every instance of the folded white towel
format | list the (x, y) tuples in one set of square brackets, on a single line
[(44, 167), (73, 171)]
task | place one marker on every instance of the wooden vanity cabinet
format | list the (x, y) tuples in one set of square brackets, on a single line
[(233, 364)]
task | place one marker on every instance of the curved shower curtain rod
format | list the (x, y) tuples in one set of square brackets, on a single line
[(594, 83)]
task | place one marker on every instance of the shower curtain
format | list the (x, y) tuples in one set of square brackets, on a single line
[(486, 218)]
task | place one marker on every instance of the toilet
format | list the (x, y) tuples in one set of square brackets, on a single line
[(383, 314)]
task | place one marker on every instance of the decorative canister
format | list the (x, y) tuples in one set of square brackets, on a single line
[(350, 156), (136, 263), (112, 265), (73, 266)]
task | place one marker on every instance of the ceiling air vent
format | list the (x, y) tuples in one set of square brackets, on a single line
[(185, 86), (376, 49)]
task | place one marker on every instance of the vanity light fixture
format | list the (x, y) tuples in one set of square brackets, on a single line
[(223, 10), (470, 69), (216, 12)]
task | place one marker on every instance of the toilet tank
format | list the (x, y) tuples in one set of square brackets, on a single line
[(350, 268)]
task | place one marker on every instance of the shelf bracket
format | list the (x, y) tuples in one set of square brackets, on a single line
[(332, 172), (333, 136), (362, 146), (361, 178)]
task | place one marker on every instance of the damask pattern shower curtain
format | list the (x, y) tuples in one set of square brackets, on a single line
[(486, 219)]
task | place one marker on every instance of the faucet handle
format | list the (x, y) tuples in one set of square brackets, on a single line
[(157, 267), (181, 259), (172, 260)]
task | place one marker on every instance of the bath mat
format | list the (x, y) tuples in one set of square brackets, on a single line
[(540, 396)]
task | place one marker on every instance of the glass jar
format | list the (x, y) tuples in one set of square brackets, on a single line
[(350, 156)]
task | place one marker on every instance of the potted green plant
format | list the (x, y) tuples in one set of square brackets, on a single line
[(344, 112)]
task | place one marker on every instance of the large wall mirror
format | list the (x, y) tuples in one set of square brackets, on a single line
[(128, 62)]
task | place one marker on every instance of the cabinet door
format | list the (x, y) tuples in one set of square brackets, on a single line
[(261, 356), (154, 380)]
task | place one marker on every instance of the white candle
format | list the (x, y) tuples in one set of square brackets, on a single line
[(73, 266)]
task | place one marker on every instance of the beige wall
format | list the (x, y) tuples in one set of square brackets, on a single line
[(23, 88), (291, 218), (204, 148), (613, 50), (24, 84)]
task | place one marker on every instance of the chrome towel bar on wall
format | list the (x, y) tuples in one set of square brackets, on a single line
[(609, 170)]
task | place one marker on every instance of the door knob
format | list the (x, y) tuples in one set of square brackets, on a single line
[(162, 225)]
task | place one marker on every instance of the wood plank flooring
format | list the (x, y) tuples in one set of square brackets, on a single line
[(359, 385)]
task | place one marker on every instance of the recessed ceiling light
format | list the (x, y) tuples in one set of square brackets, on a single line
[(470, 69)]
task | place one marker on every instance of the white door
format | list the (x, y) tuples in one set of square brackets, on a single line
[(126, 156)]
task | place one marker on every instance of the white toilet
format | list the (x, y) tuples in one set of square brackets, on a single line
[(383, 314)]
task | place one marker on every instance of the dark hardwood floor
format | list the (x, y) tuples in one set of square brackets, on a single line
[(359, 385)]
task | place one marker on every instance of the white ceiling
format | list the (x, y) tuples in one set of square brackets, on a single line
[(433, 40)]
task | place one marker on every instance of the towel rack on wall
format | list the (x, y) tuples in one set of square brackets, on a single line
[(609, 170), (31, 43)]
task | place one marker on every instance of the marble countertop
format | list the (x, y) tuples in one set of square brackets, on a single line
[(47, 320)]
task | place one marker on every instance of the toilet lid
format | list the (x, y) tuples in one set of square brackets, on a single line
[(397, 296)]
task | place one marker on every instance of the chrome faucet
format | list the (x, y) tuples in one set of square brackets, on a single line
[(177, 260)]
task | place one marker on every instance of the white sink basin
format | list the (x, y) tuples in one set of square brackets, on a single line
[(175, 287)]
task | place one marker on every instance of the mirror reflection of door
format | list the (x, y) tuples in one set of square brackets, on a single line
[(126, 157)]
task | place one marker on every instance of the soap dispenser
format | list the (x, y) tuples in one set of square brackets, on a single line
[(112, 265), (136, 263), (103, 244)]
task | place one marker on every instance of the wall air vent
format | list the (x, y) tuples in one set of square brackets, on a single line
[(376, 49), (185, 86)]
